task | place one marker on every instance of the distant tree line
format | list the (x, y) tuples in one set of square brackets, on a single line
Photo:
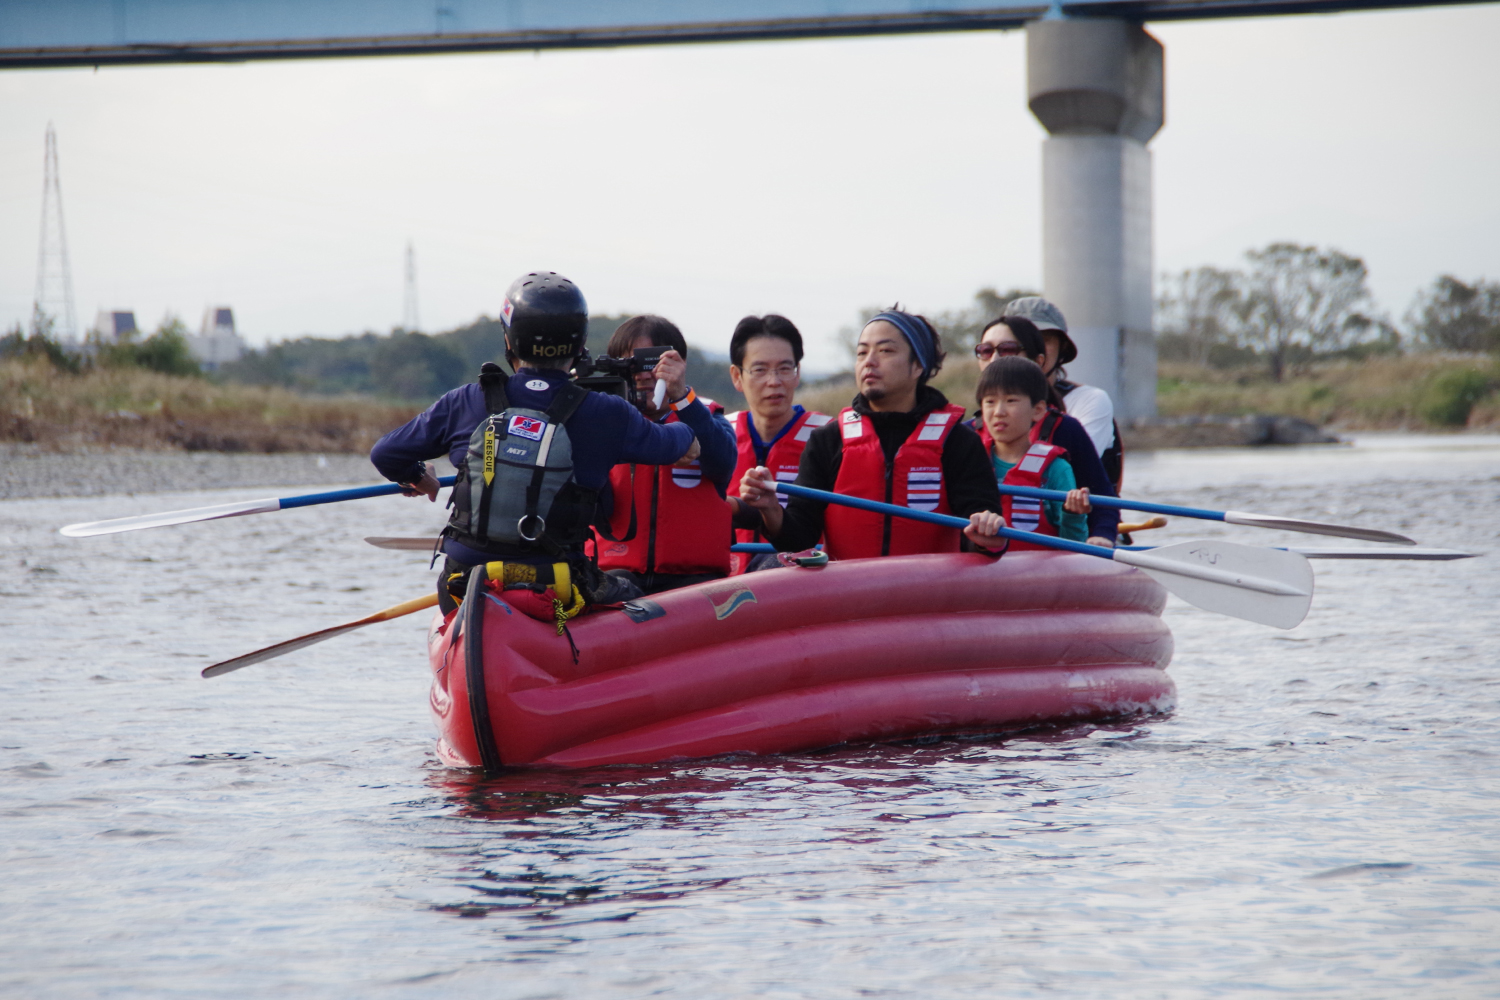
[(1293, 304), (402, 366), (417, 368), (165, 350)]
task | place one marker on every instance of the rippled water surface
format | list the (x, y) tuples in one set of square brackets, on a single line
[(1319, 817)]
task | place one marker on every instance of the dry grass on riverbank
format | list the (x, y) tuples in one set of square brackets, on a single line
[(1407, 392), (1412, 392), (134, 408)]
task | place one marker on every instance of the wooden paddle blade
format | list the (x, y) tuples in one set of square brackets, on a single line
[(312, 638), (407, 544), (1268, 586), (1315, 527)]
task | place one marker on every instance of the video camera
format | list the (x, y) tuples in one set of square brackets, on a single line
[(616, 376)]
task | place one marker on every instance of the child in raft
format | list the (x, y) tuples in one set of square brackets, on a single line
[(1012, 396)]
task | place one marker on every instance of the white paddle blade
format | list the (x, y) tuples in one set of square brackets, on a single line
[(312, 638), (170, 517), (1315, 527), (405, 544), (1407, 554), (1268, 586)]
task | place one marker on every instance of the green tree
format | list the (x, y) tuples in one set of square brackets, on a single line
[(1455, 316), (165, 351), (416, 367), (1302, 300), (40, 344)]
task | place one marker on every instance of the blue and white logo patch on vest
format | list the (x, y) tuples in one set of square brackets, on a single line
[(1025, 513), (924, 488), (687, 476)]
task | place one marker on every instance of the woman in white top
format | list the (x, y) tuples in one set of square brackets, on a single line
[(1088, 404)]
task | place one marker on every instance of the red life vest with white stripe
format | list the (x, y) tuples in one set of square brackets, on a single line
[(782, 458), (1026, 513), (914, 479), (681, 522)]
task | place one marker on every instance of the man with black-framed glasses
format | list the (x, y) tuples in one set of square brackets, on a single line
[(765, 356)]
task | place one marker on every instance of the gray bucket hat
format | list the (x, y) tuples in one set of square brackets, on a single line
[(1048, 319)]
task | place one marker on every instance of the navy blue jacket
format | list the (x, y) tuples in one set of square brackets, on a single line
[(604, 431)]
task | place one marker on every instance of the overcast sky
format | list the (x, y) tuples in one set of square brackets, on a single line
[(707, 182)]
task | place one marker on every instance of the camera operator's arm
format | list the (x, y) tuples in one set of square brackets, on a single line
[(717, 451), (645, 442)]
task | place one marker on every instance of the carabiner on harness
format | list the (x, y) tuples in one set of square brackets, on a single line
[(521, 527)]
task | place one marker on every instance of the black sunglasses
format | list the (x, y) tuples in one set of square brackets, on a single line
[(1005, 348)]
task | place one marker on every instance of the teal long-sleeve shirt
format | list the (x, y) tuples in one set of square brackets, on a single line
[(1074, 527)]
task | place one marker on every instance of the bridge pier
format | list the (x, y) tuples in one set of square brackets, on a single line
[(1096, 85)]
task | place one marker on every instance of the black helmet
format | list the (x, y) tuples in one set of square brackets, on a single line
[(545, 317)]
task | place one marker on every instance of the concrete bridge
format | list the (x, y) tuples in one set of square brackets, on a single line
[(1094, 81)]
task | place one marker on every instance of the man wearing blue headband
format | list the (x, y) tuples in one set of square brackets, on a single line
[(899, 442)]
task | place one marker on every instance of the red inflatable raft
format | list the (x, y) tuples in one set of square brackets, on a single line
[(795, 659)]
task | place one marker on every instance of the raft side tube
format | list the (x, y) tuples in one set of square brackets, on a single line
[(784, 599), (878, 650), (541, 720), (967, 702)]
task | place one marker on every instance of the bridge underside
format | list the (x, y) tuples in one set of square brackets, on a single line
[(54, 33)]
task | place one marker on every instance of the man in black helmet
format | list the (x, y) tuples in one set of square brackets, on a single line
[(546, 325)]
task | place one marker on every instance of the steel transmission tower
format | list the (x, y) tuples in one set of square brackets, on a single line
[(409, 321), (54, 278)]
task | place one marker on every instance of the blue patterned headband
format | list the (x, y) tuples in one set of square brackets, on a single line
[(916, 334)]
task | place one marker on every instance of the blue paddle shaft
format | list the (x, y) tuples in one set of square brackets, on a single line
[(1116, 503), (946, 520), (358, 493)]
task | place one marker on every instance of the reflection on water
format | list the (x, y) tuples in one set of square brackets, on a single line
[(1316, 819)]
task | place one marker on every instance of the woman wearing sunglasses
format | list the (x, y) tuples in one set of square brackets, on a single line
[(1016, 336)]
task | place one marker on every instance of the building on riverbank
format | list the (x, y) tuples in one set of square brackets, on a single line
[(111, 326), (217, 342)]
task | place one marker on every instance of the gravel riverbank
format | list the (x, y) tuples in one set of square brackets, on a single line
[(27, 471)]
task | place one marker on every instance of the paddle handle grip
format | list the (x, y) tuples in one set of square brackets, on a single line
[(946, 520), (358, 493)]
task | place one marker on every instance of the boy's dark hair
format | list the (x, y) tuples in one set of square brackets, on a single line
[(1025, 332), (1012, 376), (662, 331), (769, 325)]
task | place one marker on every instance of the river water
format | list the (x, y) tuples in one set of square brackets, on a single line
[(1320, 817)]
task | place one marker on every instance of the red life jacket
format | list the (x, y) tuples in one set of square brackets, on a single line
[(676, 498), (914, 480), (782, 459), (1025, 513)]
